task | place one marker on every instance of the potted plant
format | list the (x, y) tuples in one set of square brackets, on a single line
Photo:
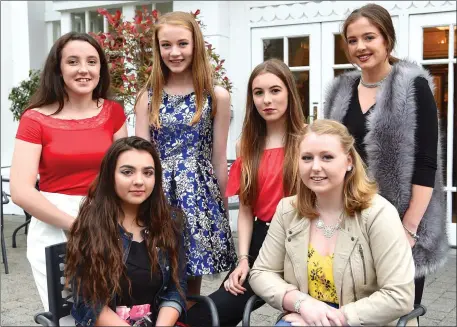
[(20, 95)]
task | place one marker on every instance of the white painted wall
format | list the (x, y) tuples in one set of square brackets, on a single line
[(37, 33), (239, 66), (15, 64)]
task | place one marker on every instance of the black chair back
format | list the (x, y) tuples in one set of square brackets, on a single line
[(5, 200), (59, 296)]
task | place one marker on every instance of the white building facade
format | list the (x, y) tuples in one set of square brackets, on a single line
[(304, 34)]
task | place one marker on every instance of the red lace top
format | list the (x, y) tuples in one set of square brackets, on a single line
[(72, 149), (269, 183)]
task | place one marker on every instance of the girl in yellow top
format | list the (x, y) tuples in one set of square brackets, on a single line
[(335, 253)]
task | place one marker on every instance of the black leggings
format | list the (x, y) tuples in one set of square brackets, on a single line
[(229, 306)]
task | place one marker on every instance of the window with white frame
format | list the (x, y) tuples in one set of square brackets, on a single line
[(56, 33), (95, 22), (78, 22)]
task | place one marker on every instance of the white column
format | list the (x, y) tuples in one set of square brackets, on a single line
[(87, 21), (128, 11), (65, 23), (15, 64), (105, 25), (49, 35)]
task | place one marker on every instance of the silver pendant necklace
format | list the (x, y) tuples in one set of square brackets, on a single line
[(329, 231)]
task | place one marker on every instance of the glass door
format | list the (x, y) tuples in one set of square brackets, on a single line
[(334, 61), (433, 45), (299, 46)]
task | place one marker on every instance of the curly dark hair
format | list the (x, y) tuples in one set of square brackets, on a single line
[(94, 248)]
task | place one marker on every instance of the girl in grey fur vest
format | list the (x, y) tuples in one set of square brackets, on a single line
[(389, 108)]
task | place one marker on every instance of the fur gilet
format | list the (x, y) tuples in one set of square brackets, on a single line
[(390, 144)]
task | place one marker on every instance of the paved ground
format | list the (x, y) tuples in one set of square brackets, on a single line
[(20, 299)]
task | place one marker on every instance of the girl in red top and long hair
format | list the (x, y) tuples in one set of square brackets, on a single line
[(264, 172), (63, 135)]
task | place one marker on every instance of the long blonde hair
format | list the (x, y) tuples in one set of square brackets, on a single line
[(254, 133), (202, 72), (358, 188)]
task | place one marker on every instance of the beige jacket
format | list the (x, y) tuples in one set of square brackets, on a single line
[(373, 266)]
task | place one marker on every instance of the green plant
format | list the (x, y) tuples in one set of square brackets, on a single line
[(20, 95)]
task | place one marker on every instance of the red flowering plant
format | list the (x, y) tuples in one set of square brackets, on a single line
[(128, 48)]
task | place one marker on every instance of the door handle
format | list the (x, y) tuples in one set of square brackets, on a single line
[(314, 111)]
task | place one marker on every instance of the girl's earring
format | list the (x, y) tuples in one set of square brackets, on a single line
[(349, 168)]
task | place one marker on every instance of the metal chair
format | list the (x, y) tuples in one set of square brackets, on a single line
[(419, 310), (5, 200), (60, 297)]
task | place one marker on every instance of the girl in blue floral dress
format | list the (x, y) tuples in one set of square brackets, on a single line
[(187, 117)]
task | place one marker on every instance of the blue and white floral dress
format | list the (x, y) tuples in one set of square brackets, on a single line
[(190, 183)]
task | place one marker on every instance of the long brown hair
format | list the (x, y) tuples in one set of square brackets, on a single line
[(94, 249), (379, 17), (358, 189), (202, 72), (254, 133), (52, 86)]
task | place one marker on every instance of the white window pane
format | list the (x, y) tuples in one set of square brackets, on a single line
[(78, 22)]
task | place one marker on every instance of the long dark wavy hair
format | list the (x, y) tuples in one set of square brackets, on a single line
[(94, 248), (52, 85)]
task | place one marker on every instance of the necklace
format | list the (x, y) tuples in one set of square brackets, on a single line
[(376, 84), (329, 231)]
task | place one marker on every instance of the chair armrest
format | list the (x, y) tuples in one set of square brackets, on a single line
[(5, 199), (419, 310), (44, 319), (234, 206), (211, 305), (248, 309)]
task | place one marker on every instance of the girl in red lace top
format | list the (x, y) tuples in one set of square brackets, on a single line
[(62, 136), (264, 172)]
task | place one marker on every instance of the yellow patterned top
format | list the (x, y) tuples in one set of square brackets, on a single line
[(320, 276)]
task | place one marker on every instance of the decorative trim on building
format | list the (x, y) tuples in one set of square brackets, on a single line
[(312, 10)]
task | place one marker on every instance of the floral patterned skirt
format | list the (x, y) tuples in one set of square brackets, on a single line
[(192, 187)]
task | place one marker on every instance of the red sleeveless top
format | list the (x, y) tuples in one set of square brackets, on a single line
[(269, 183)]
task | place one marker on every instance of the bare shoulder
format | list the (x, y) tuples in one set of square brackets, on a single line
[(221, 93), (238, 148), (142, 102)]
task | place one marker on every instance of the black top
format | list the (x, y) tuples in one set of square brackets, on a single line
[(144, 288), (426, 134)]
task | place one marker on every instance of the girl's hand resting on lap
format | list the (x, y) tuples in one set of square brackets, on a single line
[(318, 313), (234, 284)]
